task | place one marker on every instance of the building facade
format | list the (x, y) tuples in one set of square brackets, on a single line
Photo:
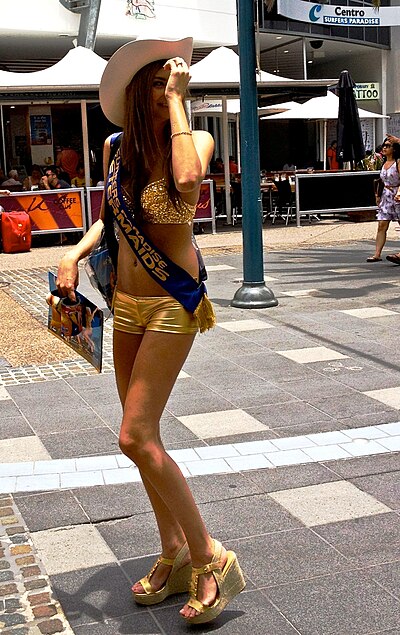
[(329, 37), (36, 35)]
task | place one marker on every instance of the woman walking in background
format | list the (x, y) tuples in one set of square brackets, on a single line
[(389, 202), (153, 174)]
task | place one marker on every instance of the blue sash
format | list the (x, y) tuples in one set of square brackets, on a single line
[(173, 278)]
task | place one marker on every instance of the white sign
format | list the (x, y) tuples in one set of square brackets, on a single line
[(334, 15), (365, 92)]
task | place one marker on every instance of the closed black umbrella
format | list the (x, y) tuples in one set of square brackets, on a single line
[(350, 144)]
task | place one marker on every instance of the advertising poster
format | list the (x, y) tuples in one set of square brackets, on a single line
[(41, 133)]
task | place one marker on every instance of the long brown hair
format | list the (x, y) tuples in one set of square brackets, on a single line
[(140, 148)]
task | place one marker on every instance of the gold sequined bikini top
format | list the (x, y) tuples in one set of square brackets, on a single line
[(159, 209)]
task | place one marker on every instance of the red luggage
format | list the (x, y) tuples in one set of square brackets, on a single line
[(15, 232)]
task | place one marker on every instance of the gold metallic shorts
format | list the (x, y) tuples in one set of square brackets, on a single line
[(139, 314)]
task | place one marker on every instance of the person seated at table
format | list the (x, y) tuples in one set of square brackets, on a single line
[(50, 180), (79, 180), (32, 182), (12, 181), (218, 166), (233, 167)]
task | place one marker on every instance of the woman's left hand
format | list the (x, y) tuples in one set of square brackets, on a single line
[(178, 79)]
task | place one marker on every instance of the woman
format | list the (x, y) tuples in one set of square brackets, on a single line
[(161, 165), (389, 202), (33, 182)]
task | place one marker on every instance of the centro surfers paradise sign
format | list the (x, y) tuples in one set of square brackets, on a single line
[(334, 15)]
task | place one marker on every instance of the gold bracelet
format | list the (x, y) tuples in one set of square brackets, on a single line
[(176, 134)]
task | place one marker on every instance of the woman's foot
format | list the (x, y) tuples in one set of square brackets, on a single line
[(394, 258), (374, 259), (213, 586), (167, 576), (207, 589)]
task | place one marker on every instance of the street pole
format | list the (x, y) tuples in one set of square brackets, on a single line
[(253, 294), (88, 25)]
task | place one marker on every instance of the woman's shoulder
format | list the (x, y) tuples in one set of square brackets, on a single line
[(203, 135)]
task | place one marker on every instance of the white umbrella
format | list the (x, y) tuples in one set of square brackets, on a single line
[(80, 68), (321, 109), (220, 68)]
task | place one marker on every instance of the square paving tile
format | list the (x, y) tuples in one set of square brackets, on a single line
[(211, 268), (289, 477), (388, 576), (22, 449), (72, 548), (365, 466), (223, 423), (366, 541), (348, 603), (285, 556), (81, 443), (388, 396), (369, 312), (132, 537), (313, 354), (249, 612), (136, 623), (12, 427), (259, 514), (300, 293), (245, 325), (384, 487), (328, 502), (95, 594), (113, 501), (4, 394), (50, 509)]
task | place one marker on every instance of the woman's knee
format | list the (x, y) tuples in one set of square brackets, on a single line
[(137, 444), (383, 226)]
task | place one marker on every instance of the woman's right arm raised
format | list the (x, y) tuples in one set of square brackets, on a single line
[(68, 273)]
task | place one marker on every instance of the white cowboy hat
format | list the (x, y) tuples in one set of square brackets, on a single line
[(127, 61)]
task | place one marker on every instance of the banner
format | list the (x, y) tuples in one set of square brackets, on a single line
[(49, 211), (334, 15)]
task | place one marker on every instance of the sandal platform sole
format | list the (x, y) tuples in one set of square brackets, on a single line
[(233, 583)]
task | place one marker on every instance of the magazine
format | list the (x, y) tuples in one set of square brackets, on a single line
[(79, 324)]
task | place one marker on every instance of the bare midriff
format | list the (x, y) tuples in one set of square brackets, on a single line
[(175, 241)]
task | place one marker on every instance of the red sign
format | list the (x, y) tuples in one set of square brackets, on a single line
[(48, 211)]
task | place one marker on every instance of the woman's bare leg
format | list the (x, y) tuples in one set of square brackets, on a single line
[(171, 534), (383, 226), (158, 360)]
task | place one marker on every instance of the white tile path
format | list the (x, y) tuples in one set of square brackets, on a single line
[(236, 457)]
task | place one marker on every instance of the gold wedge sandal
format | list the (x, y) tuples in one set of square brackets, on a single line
[(230, 582), (178, 580)]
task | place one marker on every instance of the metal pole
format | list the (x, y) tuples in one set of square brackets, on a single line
[(85, 138), (304, 59), (253, 293), (3, 133), (225, 155), (88, 25)]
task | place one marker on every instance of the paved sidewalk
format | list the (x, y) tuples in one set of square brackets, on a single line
[(285, 421)]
